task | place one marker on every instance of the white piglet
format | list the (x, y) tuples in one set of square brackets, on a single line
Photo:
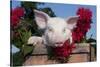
[(57, 30)]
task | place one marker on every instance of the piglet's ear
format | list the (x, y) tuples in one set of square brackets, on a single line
[(41, 19), (72, 21)]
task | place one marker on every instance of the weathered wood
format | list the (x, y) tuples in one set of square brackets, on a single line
[(80, 54), (37, 60), (76, 58)]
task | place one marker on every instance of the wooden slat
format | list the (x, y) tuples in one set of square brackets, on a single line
[(39, 55)]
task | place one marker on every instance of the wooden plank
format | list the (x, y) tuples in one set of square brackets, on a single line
[(39, 55), (38, 60), (76, 58)]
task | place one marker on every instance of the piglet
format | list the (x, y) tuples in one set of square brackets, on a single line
[(56, 30)]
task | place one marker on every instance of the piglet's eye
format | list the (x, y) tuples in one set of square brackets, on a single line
[(51, 30), (64, 30)]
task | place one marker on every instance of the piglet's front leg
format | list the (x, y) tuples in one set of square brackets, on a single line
[(35, 40)]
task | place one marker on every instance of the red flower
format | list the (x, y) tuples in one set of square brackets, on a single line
[(63, 51), (14, 20), (18, 12), (84, 13), (83, 24)]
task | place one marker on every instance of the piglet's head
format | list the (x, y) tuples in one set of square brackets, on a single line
[(57, 30)]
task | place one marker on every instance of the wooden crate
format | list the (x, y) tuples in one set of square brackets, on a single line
[(80, 54)]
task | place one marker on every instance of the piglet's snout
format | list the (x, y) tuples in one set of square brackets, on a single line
[(57, 38)]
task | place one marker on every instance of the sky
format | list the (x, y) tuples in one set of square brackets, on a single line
[(66, 10)]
